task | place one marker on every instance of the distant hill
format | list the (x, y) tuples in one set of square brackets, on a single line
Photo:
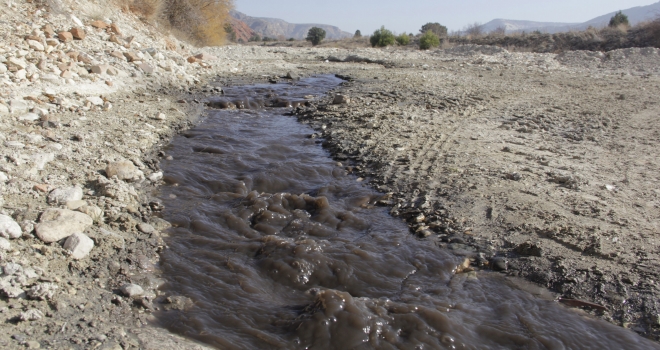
[(635, 15), (242, 30), (273, 27)]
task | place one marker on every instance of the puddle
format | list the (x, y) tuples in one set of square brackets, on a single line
[(277, 247)]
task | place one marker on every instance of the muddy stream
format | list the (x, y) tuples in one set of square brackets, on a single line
[(275, 246)]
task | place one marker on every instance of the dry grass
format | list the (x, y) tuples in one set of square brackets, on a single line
[(148, 10)]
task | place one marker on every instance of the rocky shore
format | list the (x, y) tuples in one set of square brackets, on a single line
[(542, 166)]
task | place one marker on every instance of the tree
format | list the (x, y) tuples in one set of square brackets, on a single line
[(619, 19), (403, 39), (255, 37), (231, 34), (315, 35), (436, 28), (382, 37), (358, 34), (428, 40), (474, 30)]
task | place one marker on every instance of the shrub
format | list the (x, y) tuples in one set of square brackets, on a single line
[(474, 30), (358, 34), (255, 37), (291, 39), (200, 21), (231, 34), (145, 9), (315, 35), (403, 39), (436, 28), (382, 37), (428, 40), (619, 19)]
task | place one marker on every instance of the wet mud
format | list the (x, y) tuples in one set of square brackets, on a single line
[(274, 245)]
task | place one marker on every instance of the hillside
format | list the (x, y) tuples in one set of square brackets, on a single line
[(273, 27), (636, 15)]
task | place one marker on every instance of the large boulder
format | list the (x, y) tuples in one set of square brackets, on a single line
[(56, 224)]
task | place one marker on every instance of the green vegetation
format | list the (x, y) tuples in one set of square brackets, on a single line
[(619, 19), (436, 28), (315, 35), (429, 40), (403, 39), (358, 34), (255, 37), (231, 34), (382, 37)]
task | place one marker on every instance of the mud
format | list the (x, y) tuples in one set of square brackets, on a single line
[(274, 245)]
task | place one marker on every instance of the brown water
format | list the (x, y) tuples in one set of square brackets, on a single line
[(278, 248)]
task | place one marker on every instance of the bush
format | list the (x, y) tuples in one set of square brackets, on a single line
[(619, 19), (200, 21), (382, 37), (145, 9), (436, 28), (231, 34), (315, 35), (474, 30), (403, 39), (255, 37), (358, 34), (429, 40)]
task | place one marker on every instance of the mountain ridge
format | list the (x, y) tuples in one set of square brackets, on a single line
[(275, 27)]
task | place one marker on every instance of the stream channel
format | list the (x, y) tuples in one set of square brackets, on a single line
[(275, 246)]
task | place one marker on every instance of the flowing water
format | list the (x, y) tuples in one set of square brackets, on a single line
[(278, 248)]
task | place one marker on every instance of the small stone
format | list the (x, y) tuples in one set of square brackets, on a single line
[(4, 244), (131, 56), (156, 176), (528, 249), (13, 292), (64, 195), (100, 69), (205, 57), (30, 117), (132, 290), (33, 344), (147, 69), (18, 106), (17, 63), (35, 45), (3, 177), (500, 264), (9, 228), (293, 76), (93, 211), (515, 176), (20, 75), (146, 228), (79, 245), (99, 24), (31, 315), (115, 29), (48, 31), (65, 36), (160, 116), (41, 159), (40, 188), (124, 170), (75, 204), (341, 99), (3, 109), (78, 33), (43, 291), (14, 144), (191, 59), (95, 100), (56, 224)]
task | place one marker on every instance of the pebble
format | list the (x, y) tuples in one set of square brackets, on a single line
[(4, 244), (341, 99), (131, 290), (156, 176), (79, 245), (43, 291), (64, 195), (30, 117), (9, 228), (123, 169), (160, 116), (56, 224), (31, 315), (145, 228), (95, 100), (75, 204), (500, 264)]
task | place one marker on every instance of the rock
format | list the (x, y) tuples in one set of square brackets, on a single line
[(33, 344), (118, 54), (42, 291), (293, 76), (17, 63), (56, 224), (35, 45), (64, 195), (147, 69), (115, 29), (159, 116), (21, 74), (31, 315), (205, 57), (131, 56), (500, 264), (13, 292), (528, 249), (132, 290), (100, 68), (99, 24), (341, 99), (18, 106), (124, 170), (146, 228), (156, 176), (75, 204), (515, 176), (191, 59), (4, 244), (3, 68), (52, 42), (14, 144), (4, 109), (95, 100), (41, 159), (48, 31), (65, 36), (30, 117), (9, 228), (79, 245), (77, 33), (3, 177), (66, 74), (93, 211)]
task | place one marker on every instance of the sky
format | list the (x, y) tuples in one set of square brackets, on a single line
[(409, 15)]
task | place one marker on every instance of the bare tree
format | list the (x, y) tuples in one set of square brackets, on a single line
[(474, 30), (501, 31)]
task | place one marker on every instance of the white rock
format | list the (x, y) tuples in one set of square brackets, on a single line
[(79, 245), (4, 244), (18, 106), (35, 45), (10, 269), (41, 159), (3, 69), (43, 291), (93, 211), (14, 144), (3, 177), (56, 224), (63, 195), (31, 315), (95, 100), (30, 117), (21, 74), (16, 62), (75, 204), (145, 228), (156, 176), (13, 292), (9, 228), (4, 109), (77, 21), (124, 170), (132, 290), (160, 116)]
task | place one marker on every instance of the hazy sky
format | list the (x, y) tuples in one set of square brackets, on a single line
[(410, 15)]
